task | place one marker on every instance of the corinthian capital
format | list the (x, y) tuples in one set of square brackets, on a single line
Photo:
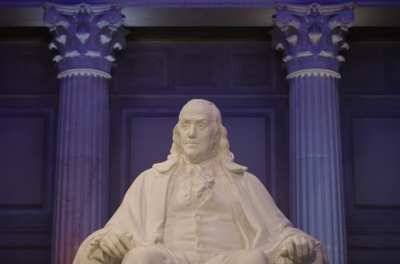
[(85, 35), (312, 36)]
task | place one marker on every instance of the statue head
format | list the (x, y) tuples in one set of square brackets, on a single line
[(199, 134)]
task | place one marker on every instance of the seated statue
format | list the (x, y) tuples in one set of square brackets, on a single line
[(199, 207)]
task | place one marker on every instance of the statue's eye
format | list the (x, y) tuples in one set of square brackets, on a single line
[(185, 126), (201, 126)]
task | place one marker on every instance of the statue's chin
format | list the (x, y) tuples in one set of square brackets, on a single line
[(192, 155)]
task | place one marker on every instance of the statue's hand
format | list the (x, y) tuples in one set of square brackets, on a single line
[(116, 244), (298, 248)]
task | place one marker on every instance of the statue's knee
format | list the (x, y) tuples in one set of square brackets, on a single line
[(142, 255), (254, 257)]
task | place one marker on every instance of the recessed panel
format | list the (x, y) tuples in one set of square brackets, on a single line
[(35, 71), (144, 70), (363, 70), (198, 68), (251, 69), (395, 68), (21, 160), (5, 59), (247, 140), (376, 148), (151, 141)]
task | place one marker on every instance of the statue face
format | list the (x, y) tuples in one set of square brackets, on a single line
[(196, 132)]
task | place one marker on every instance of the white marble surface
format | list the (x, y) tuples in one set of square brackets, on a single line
[(199, 207)]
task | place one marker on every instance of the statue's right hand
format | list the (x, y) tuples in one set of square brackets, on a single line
[(116, 244)]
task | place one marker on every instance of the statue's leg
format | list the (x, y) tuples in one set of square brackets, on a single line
[(250, 256), (146, 255)]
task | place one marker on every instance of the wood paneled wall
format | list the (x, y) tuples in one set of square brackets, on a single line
[(28, 111), (370, 114)]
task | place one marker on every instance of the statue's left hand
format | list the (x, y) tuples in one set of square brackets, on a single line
[(298, 248), (116, 243)]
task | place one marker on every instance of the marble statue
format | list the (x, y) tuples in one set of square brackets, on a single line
[(199, 207)]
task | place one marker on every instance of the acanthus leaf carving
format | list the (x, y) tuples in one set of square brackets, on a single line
[(72, 54), (336, 38), (345, 46), (52, 46), (93, 54), (279, 46), (326, 54), (52, 18), (287, 58), (344, 19), (83, 36), (62, 39), (110, 58), (292, 39), (284, 19), (340, 58), (117, 45), (308, 35), (104, 39), (91, 30), (315, 37), (57, 58), (304, 54)]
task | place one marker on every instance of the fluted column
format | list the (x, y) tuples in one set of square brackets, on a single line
[(311, 38), (85, 37)]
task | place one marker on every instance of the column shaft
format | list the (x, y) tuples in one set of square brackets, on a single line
[(85, 37), (82, 163), (315, 162), (311, 38)]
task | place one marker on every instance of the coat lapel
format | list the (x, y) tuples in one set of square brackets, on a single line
[(156, 204), (248, 212)]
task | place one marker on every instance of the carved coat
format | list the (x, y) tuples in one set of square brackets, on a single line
[(143, 210)]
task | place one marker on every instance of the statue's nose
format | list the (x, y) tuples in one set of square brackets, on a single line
[(192, 132)]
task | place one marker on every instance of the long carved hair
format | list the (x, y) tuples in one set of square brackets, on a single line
[(221, 147)]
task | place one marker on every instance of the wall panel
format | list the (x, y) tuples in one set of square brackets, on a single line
[(27, 160), (29, 69), (21, 160), (370, 130), (198, 69), (143, 69), (363, 70), (26, 192), (252, 69), (376, 145), (5, 69), (393, 69), (190, 69)]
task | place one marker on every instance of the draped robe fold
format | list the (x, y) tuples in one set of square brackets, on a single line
[(143, 211)]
